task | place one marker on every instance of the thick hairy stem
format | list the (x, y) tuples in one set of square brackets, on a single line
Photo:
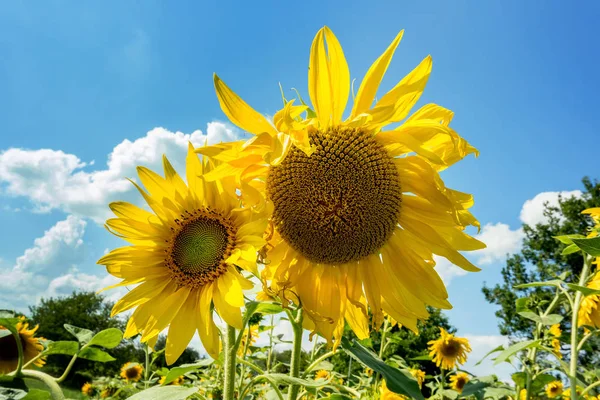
[(576, 303), (230, 362), (55, 390), (296, 354)]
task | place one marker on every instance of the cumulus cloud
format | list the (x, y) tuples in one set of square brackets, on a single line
[(65, 284), (532, 212), (52, 179), (500, 241)]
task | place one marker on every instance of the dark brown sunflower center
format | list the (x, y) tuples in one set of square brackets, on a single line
[(451, 348), (340, 204), (200, 246), (8, 346), (132, 373), (461, 382)]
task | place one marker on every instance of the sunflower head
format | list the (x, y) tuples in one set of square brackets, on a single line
[(89, 390), (418, 375), (186, 255), (177, 381), (132, 372), (589, 310), (458, 381), (523, 394), (352, 201), (107, 392), (248, 339), (554, 389), (556, 348), (9, 353), (555, 330), (387, 394), (322, 374), (449, 351)]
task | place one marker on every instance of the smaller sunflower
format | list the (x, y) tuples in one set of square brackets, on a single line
[(523, 394), (88, 389), (555, 330), (556, 348), (554, 389), (322, 374), (9, 353), (387, 394), (589, 310), (248, 339), (567, 393), (178, 381), (132, 372), (458, 381), (107, 392), (419, 376), (449, 351)]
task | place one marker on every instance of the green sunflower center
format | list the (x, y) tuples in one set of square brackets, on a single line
[(199, 247), (342, 203)]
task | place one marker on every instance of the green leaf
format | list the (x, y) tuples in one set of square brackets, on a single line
[(474, 386), (450, 394), (584, 290), (530, 315), (253, 307), (309, 113), (10, 324), (108, 338), (83, 335), (12, 382), (176, 372), (551, 319), (540, 381), (397, 381), (282, 379), (515, 348), (570, 249), (164, 393), (519, 378), (62, 347), (568, 239), (37, 394), (337, 396), (497, 349), (425, 357), (553, 282), (95, 354), (590, 245), (522, 304)]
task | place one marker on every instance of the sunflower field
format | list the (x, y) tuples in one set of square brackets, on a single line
[(325, 224)]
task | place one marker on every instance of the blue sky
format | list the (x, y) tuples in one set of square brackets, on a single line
[(80, 78)]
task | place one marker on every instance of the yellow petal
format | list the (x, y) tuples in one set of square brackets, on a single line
[(239, 112), (370, 84), (328, 78), (230, 314), (209, 334), (182, 329), (231, 289), (139, 295)]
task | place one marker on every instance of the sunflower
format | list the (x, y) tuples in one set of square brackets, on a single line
[(322, 374), (359, 211), (132, 371), (448, 351), (107, 392), (9, 353), (556, 348), (589, 310), (555, 330), (88, 389), (554, 389), (184, 256), (523, 394), (418, 375), (458, 381), (387, 394), (177, 381), (249, 338)]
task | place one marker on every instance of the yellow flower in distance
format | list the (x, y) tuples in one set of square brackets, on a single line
[(359, 211), (523, 394), (449, 351), (589, 310), (177, 381), (249, 338), (132, 372), (419, 376), (184, 255), (9, 353), (322, 374), (458, 381), (88, 389), (556, 348), (555, 330), (387, 394), (554, 389)]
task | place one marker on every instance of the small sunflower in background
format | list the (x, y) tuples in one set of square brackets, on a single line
[(555, 330), (248, 339), (184, 256), (556, 348), (89, 390), (322, 374), (449, 351), (419, 376), (387, 394), (132, 372), (9, 353), (589, 310), (458, 381), (108, 392), (554, 389), (523, 394), (359, 212), (177, 381)]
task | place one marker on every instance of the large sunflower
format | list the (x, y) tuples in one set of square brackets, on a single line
[(9, 353), (185, 256), (359, 211)]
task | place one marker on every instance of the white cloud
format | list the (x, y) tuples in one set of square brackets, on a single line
[(446, 270), (500, 241), (75, 280), (532, 212), (52, 179), (480, 346)]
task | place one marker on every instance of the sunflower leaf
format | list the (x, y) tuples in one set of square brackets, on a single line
[(397, 380), (568, 239), (497, 349), (515, 348), (95, 354), (570, 249), (283, 379), (553, 282), (541, 380), (164, 393), (10, 324), (586, 291), (589, 245), (68, 348), (83, 335), (474, 386), (108, 338), (176, 372), (253, 307)]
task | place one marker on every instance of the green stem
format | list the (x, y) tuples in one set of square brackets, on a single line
[(587, 389), (243, 367), (68, 369), (252, 366), (229, 369), (318, 361), (349, 374), (19, 352), (55, 390), (296, 354), (257, 379), (574, 346), (270, 344), (584, 339), (147, 365), (386, 325), (442, 381)]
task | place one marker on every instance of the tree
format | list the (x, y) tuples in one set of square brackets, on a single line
[(540, 260), (188, 356), (86, 310)]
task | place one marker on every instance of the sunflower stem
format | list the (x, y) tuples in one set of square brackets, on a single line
[(314, 364), (296, 354), (19, 352), (69, 367), (243, 367), (574, 345), (230, 363), (147, 365), (386, 324), (55, 390), (270, 344)]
